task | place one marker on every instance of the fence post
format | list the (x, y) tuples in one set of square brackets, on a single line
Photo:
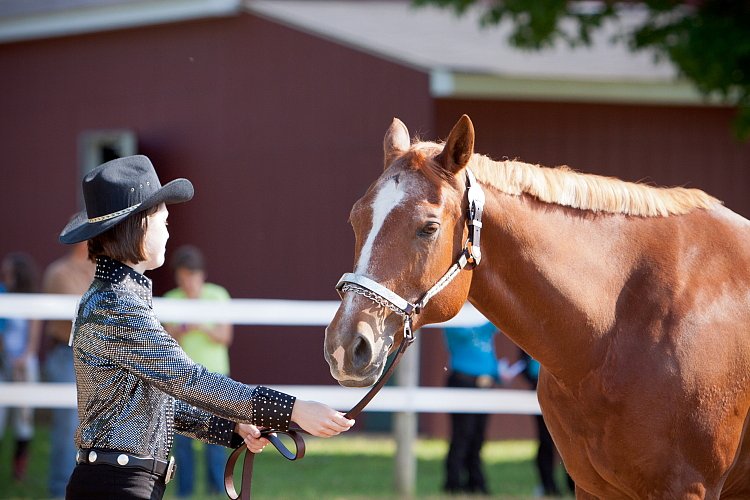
[(405, 425)]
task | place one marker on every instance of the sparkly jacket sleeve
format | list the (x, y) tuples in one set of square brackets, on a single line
[(123, 328)]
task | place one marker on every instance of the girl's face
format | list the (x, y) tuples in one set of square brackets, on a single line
[(155, 240)]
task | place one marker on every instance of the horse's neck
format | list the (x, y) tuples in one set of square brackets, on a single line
[(550, 279)]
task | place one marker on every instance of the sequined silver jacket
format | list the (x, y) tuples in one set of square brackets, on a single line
[(136, 386)]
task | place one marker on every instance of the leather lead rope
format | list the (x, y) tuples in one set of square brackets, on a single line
[(357, 409), (294, 432)]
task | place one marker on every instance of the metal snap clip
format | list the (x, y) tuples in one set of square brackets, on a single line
[(171, 467)]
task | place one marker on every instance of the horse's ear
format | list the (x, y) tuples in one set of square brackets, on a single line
[(395, 142), (459, 146)]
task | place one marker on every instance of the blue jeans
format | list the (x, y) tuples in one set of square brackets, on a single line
[(215, 457), (58, 367)]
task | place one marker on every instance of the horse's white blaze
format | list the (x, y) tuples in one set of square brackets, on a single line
[(388, 197)]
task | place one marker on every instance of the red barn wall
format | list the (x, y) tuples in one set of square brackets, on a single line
[(690, 146), (279, 131)]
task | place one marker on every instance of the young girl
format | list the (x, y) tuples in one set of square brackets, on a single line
[(135, 384)]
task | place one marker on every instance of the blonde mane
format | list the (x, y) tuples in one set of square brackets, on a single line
[(565, 187)]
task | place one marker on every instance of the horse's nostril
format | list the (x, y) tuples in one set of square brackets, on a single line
[(361, 353)]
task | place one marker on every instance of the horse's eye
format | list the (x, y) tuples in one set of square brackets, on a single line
[(429, 229)]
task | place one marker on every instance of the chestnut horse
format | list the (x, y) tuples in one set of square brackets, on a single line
[(635, 300)]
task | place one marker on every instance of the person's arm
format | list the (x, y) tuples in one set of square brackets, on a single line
[(319, 419), (148, 352), (251, 435), (32, 346), (316, 418), (202, 425), (54, 282), (35, 337), (175, 330), (221, 333)]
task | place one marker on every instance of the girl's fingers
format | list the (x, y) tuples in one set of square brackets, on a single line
[(256, 445)]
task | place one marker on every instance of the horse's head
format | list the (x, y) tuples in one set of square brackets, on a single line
[(410, 228)]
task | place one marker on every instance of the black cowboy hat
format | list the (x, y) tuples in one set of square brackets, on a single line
[(118, 189)]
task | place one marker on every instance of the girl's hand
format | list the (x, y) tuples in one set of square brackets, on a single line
[(319, 419), (251, 435)]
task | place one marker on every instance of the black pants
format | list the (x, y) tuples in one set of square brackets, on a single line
[(545, 460), (107, 481), (463, 466)]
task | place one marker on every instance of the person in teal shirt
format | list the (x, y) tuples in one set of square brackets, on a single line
[(546, 452), (473, 363), (208, 345)]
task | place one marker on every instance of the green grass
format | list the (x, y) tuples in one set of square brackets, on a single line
[(356, 466)]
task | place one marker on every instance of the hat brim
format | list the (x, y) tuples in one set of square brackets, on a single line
[(80, 229)]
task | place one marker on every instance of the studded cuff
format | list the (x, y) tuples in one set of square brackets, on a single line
[(222, 432), (236, 440), (272, 409)]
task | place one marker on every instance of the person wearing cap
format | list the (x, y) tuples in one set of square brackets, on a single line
[(473, 363), (135, 385)]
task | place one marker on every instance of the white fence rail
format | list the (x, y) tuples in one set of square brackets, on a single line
[(236, 311), (269, 312), (389, 399)]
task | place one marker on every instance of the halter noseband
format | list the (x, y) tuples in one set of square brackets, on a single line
[(469, 258)]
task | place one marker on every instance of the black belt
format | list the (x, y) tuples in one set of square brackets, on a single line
[(481, 381), (156, 466)]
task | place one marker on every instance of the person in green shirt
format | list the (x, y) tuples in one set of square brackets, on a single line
[(206, 344)]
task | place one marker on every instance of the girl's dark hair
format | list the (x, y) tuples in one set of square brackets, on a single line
[(24, 271), (124, 241)]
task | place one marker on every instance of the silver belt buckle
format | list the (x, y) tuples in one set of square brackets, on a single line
[(171, 467), (485, 381)]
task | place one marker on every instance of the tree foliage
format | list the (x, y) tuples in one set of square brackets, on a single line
[(708, 41)]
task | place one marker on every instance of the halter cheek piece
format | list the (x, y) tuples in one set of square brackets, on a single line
[(469, 258)]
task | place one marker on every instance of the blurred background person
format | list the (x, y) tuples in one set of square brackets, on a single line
[(473, 363), (20, 348), (546, 456), (206, 344), (71, 274)]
